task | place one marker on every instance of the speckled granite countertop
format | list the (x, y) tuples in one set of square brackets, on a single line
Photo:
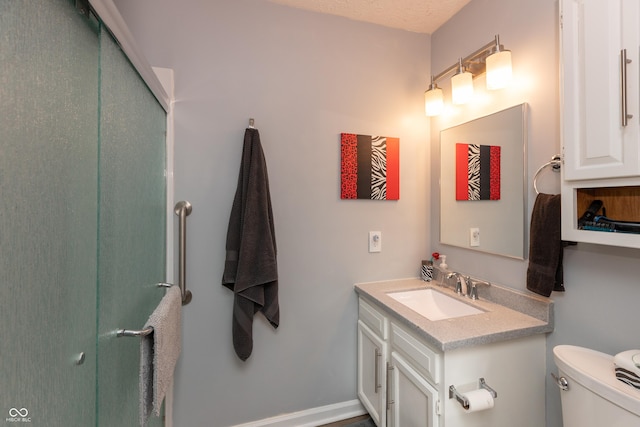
[(508, 314)]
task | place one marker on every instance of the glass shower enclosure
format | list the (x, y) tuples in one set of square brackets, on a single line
[(82, 218)]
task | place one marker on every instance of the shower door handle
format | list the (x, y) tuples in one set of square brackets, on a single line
[(183, 209)]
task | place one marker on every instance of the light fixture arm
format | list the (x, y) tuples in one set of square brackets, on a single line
[(480, 54), (433, 84)]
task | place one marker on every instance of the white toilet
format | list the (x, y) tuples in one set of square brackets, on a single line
[(593, 396)]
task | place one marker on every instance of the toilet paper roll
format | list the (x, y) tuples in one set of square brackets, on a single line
[(479, 400)]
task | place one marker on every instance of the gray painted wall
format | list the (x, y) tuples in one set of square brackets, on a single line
[(305, 78)]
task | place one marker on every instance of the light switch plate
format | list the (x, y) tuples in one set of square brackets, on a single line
[(474, 237)]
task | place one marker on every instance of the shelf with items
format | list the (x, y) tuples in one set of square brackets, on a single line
[(620, 203)]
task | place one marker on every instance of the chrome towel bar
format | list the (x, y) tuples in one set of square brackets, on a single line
[(141, 332), (130, 333)]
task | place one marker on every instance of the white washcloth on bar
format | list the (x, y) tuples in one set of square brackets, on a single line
[(159, 352)]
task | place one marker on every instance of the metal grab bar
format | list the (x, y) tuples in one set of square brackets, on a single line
[(183, 210)]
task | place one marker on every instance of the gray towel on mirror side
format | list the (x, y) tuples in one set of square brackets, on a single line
[(544, 273), (251, 270), (159, 353)]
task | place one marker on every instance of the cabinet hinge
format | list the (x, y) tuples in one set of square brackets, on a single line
[(438, 407), (561, 23)]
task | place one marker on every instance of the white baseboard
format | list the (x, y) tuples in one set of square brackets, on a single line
[(312, 417)]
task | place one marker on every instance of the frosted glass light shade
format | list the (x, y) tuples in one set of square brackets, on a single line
[(499, 70), (461, 87), (433, 102)]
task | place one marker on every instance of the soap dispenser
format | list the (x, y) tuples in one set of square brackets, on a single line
[(443, 263)]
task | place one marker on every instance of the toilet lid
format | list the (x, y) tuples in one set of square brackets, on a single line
[(596, 371)]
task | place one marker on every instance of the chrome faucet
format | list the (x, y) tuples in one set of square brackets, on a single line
[(466, 285), (473, 287), (461, 283)]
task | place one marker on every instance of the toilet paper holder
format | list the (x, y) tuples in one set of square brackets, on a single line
[(463, 400)]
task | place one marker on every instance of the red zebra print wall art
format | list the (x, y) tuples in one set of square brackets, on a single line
[(370, 167), (477, 172)]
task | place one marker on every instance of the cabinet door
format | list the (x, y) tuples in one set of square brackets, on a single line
[(372, 384), (414, 400), (596, 143)]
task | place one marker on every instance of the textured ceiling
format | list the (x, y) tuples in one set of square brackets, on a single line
[(420, 16)]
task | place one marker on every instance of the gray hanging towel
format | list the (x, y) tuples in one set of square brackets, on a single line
[(250, 269), (544, 273), (159, 353)]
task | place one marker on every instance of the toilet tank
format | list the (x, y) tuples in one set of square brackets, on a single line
[(595, 398)]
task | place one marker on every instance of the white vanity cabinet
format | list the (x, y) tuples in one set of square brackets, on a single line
[(392, 379), (414, 391), (600, 93)]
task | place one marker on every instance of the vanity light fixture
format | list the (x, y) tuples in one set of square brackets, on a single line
[(491, 58), (461, 85), (498, 67), (433, 100)]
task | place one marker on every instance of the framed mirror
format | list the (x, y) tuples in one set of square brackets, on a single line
[(482, 184)]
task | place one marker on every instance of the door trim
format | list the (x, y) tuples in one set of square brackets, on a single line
[(110, 16)]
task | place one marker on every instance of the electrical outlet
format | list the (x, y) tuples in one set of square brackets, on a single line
[(375, 241), (474, 237)]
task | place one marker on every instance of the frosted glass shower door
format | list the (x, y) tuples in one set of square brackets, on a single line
[(132, 225), (48, 221), (82, 218)]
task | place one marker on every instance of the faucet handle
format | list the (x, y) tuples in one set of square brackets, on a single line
[(473, 291), (473, 287), (459, 284), (460, 288)]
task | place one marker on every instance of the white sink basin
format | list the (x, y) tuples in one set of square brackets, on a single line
[(433, 305)]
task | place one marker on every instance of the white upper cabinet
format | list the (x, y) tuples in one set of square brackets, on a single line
[(600, 106), (600, 139)]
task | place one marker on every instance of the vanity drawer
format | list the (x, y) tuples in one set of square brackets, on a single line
[(373, 318), (425, 360)]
